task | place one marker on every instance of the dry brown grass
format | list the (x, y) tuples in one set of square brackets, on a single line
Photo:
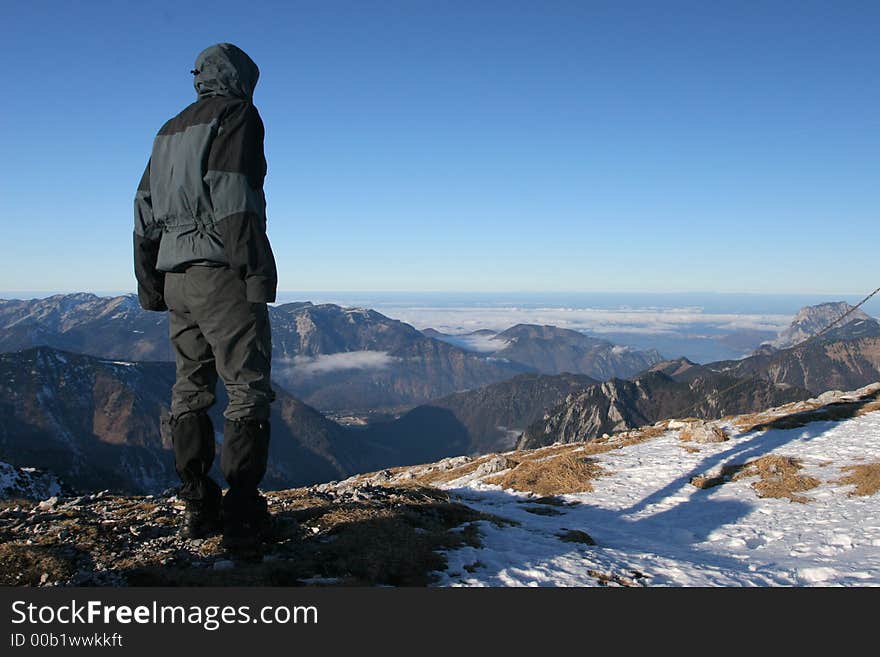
[(559, 469), (543, 453), (438, 476), (865, 477), (591, 447), (778, 477), (566, 473), (26, 565)]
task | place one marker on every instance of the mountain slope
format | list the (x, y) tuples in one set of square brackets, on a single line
[(477, 421), (618, 405), (553, 350), (818, 366)]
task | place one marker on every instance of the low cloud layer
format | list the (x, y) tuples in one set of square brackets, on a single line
[(658, 321), (345, 360), (480, 343)]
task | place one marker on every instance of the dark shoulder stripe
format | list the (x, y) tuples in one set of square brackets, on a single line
[(200, 112)]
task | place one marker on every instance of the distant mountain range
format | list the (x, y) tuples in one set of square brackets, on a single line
[(99, 422), (333, 358), (554, 350), (107, 327)]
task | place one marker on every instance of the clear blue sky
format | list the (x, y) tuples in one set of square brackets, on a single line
[(731, 146)]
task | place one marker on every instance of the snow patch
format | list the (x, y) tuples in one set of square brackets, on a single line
[(653, 527)]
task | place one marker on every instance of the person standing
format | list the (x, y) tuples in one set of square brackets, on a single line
[(201, 252)]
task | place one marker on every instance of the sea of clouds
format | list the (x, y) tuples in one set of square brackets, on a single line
[(464, 319)]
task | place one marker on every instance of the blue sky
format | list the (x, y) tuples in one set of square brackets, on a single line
[(665, 146)]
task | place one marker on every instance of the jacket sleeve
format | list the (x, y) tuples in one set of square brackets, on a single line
[(235, 173), (147, 235)]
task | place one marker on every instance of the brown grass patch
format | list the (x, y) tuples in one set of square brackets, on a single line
[(566, 473), (865, 478), (752, 421), (543, 453), (567, 468), (592, 447), (778, 477)]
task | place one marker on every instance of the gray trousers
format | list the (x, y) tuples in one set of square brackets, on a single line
[(215, 330)]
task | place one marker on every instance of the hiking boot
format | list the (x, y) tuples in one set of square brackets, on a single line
[(247, 522), (200, 519)]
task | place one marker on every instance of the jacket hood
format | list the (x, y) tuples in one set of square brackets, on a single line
[(225, 70)]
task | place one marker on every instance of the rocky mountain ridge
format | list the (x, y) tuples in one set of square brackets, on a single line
[(812, 319), (618, 405), (554, 350)]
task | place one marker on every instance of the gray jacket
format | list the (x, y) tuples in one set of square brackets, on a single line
[(200, 200)]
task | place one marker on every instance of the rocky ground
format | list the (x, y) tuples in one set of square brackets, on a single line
[(332, 534)]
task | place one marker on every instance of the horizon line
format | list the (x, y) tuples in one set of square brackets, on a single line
[(110, 292)]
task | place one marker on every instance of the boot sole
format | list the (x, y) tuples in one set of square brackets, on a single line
[(203, 532)]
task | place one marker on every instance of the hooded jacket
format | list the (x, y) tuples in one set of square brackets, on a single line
[(200, 200)]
